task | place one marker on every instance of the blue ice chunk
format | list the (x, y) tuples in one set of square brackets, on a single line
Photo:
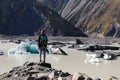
[(33, 48)]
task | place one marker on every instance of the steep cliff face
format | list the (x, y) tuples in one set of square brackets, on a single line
[(89, 15), (19, 17)]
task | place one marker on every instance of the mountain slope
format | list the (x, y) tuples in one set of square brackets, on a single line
[(19, 17), (92, 16), (59, 26)]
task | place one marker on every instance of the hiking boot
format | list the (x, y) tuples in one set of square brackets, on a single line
[(40, 61), (43, 61)]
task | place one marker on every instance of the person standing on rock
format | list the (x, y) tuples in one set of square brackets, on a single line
[(42, 45)]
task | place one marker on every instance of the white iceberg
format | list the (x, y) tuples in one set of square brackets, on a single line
[(25, 47), (55, 50)]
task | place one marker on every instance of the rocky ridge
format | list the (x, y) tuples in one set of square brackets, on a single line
[(40, 71)]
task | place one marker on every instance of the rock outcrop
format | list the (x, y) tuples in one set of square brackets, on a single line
[(40, 71)]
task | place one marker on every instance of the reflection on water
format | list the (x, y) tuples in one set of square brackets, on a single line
[(107, 62)]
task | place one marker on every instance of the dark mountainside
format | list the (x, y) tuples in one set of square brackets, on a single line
[(100, 17), (19, 17), (58, 25)]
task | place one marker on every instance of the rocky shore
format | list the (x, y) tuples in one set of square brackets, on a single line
[(40, 71)]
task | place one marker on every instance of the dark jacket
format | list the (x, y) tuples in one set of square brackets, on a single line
[(42, 41)]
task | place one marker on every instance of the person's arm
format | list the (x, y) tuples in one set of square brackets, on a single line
[(38, 41), (47, 39)]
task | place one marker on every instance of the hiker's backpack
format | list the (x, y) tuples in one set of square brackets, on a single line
[(43, 41), (43, 37)]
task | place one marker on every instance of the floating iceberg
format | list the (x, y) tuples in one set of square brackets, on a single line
[(24, 48), (94, 55), (55, 50), (109, 55), (27, 47), (95, 61), (92, 58)]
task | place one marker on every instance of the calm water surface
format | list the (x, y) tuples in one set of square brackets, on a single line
[(74, 62)]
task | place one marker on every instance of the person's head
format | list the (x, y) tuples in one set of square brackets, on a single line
[(42, 32)]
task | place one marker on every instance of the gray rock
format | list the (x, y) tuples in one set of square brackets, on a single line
[(39, 71), (52, 75), (47, 65), (77, 76), (29, 64), (96, 78), (43, 75), (33, 71), (79, 41), (88, 78), (113, 78), (29, 78)]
